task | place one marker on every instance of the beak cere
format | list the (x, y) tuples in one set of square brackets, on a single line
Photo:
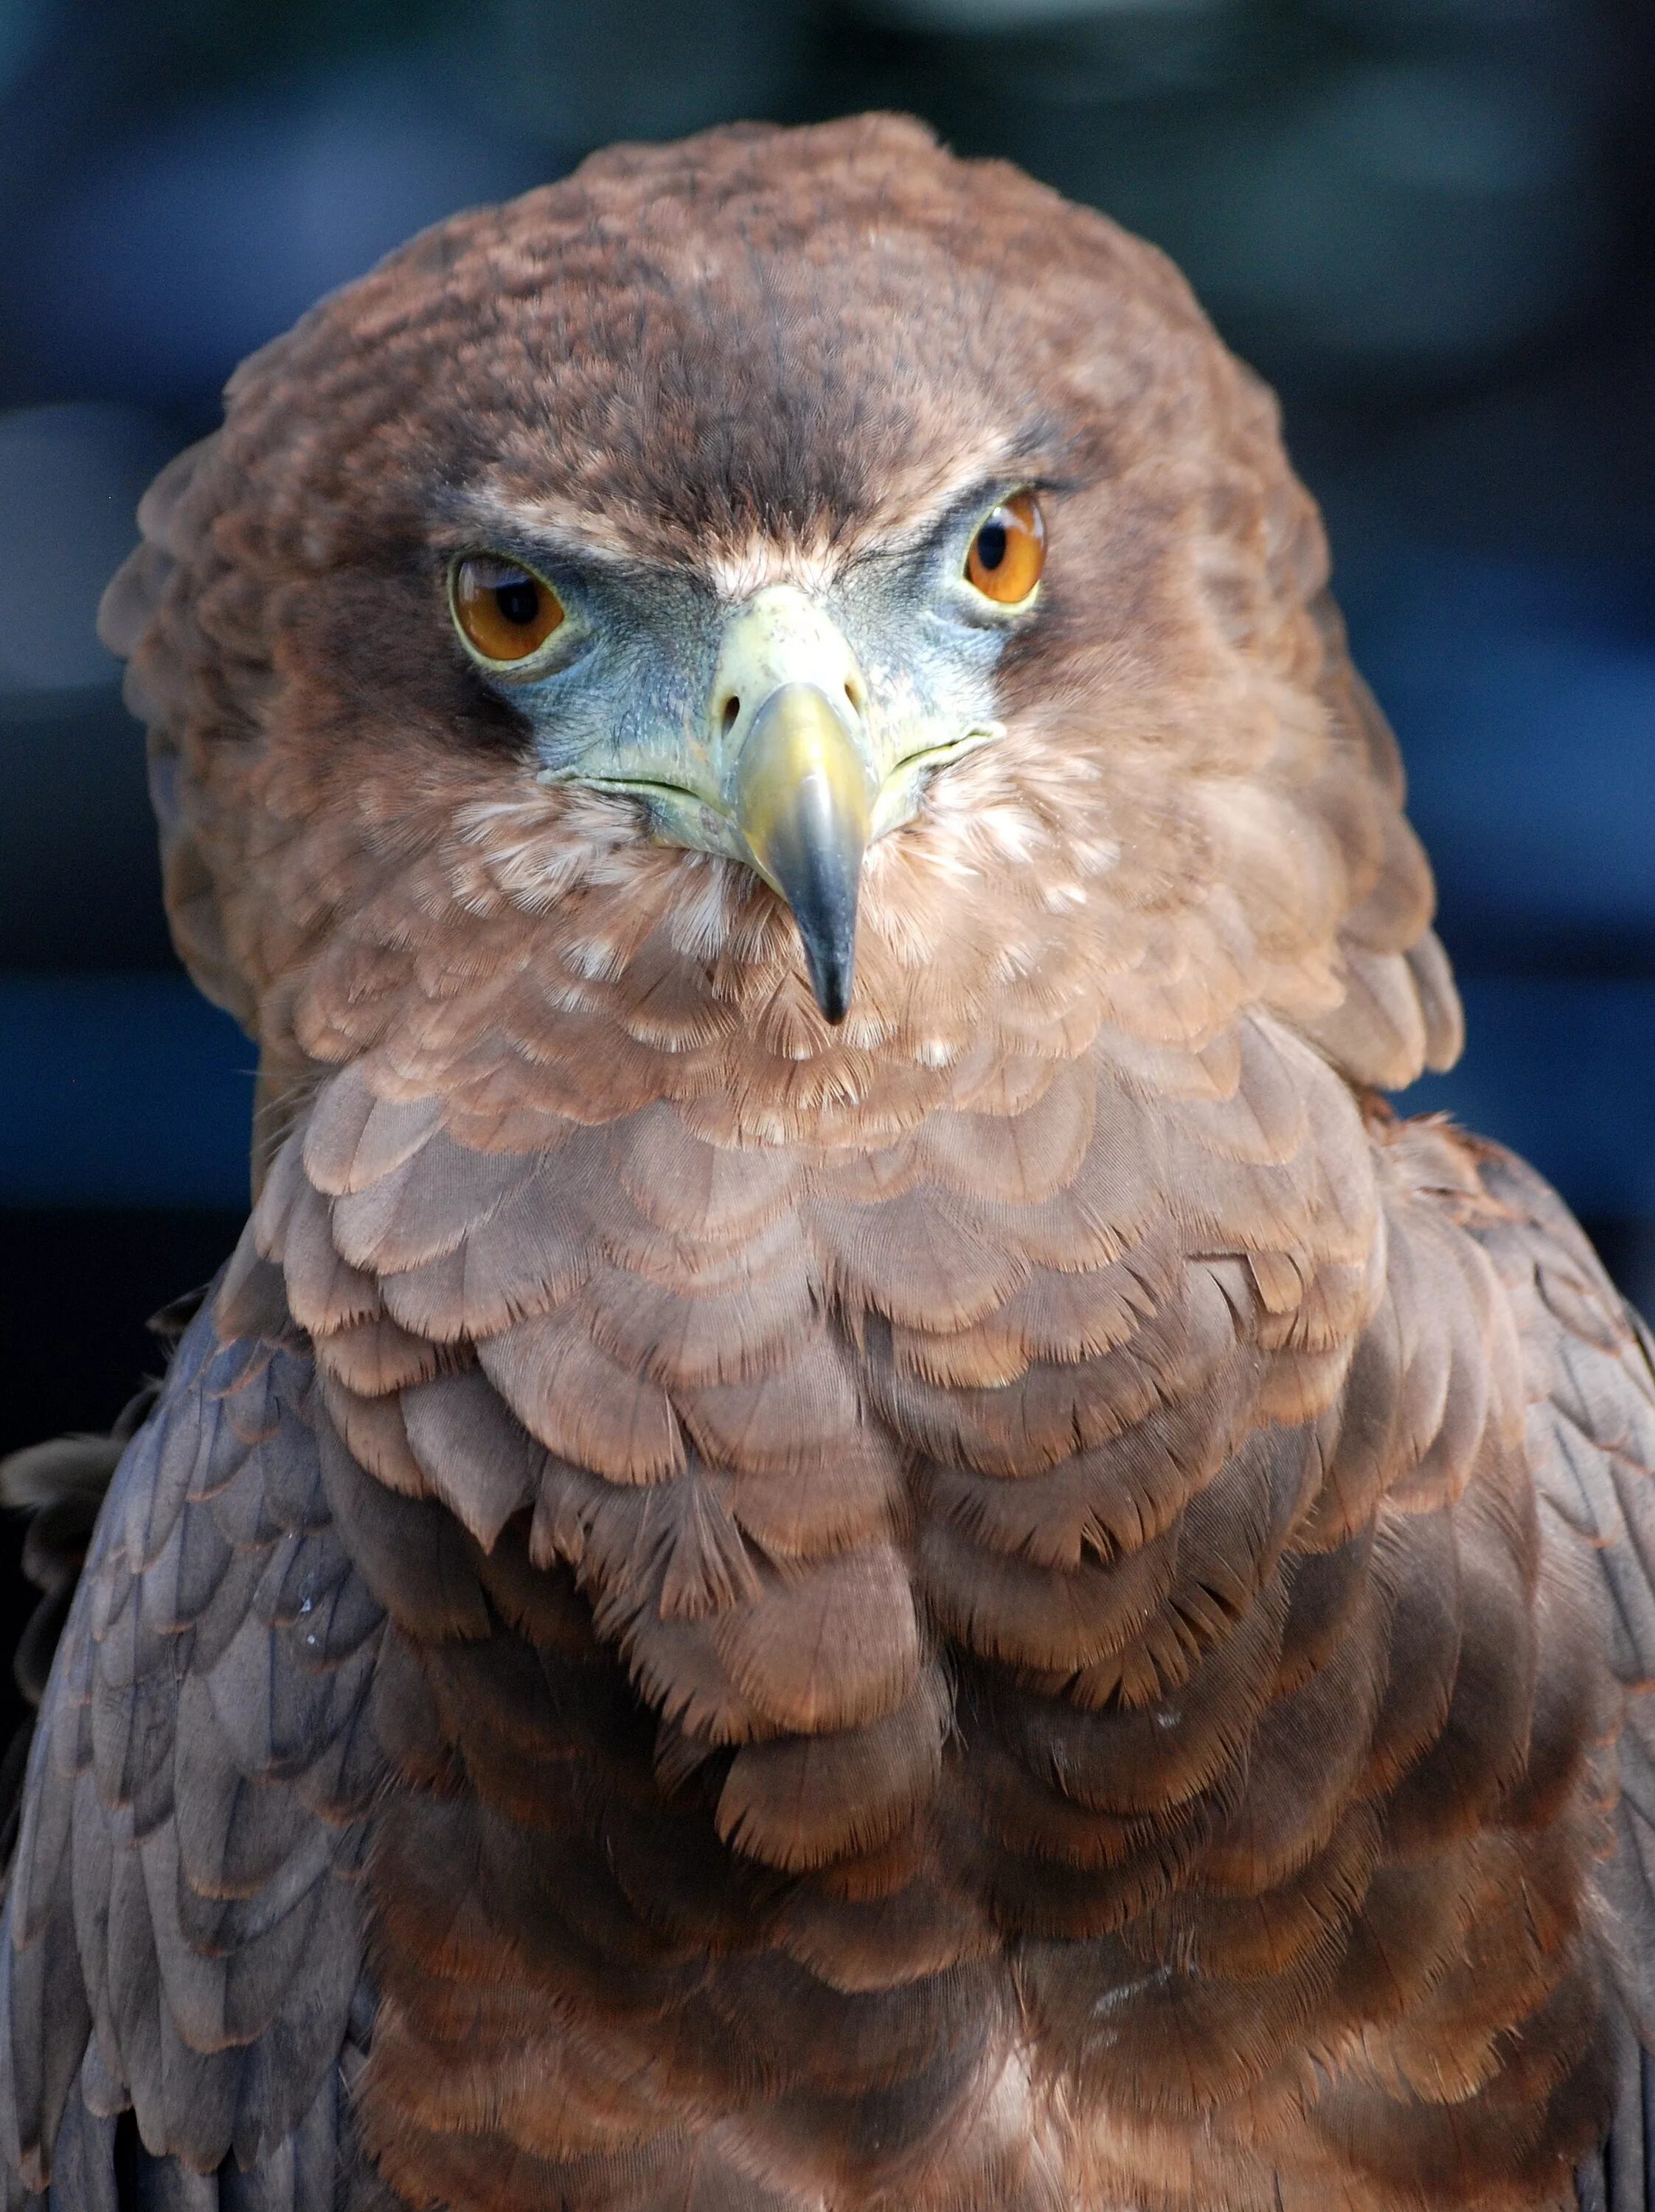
[(804, 803)]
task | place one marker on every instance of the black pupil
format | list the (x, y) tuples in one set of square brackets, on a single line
[(991, 545), (519, 601)]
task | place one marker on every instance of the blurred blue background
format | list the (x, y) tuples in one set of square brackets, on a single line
[(1428, 221)]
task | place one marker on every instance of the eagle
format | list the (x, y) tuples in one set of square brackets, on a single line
[(857, 1528)]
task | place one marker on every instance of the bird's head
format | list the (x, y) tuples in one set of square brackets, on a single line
[(792, 600), (782, 711)]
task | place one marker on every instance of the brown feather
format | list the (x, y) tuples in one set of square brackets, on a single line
[(1021, 1601)]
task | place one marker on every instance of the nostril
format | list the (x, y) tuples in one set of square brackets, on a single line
[(854, 693), (732, 709)]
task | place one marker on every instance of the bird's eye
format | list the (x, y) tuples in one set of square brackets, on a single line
[(1009, 551), (503, 610)]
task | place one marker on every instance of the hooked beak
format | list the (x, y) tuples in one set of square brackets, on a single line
[(804, 805), (787, 731)]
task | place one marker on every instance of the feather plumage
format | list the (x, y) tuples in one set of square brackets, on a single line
[(1024, 1601)]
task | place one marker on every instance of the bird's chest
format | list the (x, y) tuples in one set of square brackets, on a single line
[(796, 1743), (890, 1489), (880, 1556)]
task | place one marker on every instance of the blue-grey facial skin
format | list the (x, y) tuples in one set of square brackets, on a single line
[(622, 696)]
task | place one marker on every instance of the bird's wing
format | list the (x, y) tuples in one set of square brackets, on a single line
[(1589, 1370), (181, 1995)]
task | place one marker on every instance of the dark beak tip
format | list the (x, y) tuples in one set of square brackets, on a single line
[(823, 902), (832, 981)]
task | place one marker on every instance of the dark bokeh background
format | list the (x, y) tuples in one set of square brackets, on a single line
[(1428, 221)]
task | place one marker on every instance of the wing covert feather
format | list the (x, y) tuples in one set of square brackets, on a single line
[(1589, 1371), (183, 1937)]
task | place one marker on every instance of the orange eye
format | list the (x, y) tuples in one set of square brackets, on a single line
[(1009, 551), (504, 611)]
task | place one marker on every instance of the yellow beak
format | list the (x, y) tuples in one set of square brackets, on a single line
[(804, 805)]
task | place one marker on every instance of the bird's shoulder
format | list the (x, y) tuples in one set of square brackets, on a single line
[(1587, 1370), (1586, 1363), (181, 1972)]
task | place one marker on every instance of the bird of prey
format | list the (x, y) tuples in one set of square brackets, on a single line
[(857, 1528)]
